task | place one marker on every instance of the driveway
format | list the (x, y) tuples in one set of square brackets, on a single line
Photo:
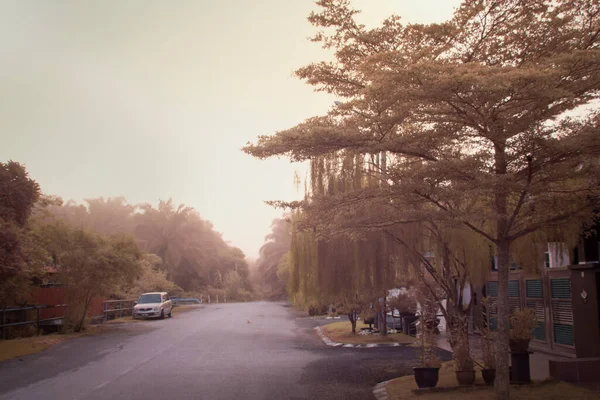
[(259, 350)]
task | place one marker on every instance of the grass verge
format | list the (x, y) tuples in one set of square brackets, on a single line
[(16, 348), (402, 388), (341, 332), (182, 309)]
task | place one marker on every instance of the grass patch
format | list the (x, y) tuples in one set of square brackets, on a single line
[(182, 309), (341, 332), (124, 320), (16, 348), (402, 388)]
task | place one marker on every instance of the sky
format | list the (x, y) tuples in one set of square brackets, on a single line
[(154, 99)]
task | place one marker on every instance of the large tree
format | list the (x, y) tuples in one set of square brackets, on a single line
[(470, 116), (89, 265), (18, 194)]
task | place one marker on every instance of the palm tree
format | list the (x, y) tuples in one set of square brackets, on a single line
[(276, 246), (165, 231)]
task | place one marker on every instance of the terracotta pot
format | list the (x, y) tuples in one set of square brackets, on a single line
[(519, 345), (465, 377), (489, 376), (426, 377)]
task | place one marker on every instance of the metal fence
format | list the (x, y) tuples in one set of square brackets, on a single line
[(37, 321), (117, 308), (181, 301)]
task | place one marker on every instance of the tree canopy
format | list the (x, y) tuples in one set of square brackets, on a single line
[(193, 255), (18, 194)]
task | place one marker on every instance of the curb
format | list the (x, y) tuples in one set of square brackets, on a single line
[(380, 392), (330, 342)]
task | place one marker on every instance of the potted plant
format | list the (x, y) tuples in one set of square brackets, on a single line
[(488, 349), (463, 362), (522, 324), (488, 370), (427, 374)]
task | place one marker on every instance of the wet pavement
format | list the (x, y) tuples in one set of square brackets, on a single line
[(260, 350)]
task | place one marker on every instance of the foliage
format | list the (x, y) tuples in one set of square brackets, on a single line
[(326, 267), (488, 348), (194, 256), (233, 285), (18, 194), (89, 265), (522, 324), (152, 279), (427, 356), (461, 351), (353, 306), (273, 258), (404, 303)]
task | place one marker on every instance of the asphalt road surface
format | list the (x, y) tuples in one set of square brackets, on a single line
[(209, 353)]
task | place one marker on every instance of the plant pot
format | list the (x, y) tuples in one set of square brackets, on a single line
[(519, 345), (465, 377), (489, 376), (426, 377)]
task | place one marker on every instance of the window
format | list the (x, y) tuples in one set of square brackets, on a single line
[(149, 298)]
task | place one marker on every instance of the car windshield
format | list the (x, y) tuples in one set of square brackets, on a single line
[(149, 298)]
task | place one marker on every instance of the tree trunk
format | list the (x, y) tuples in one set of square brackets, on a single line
[(87, 301), (384, 322), (502, 382), (352, 318)]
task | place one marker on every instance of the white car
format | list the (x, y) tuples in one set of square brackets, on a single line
[(155, 304)]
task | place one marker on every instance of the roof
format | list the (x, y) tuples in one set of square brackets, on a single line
[(154, 293)]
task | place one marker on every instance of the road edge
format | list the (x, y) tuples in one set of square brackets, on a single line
[(380, 392)]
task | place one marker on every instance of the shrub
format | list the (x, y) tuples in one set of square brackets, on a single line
[(522, 324)]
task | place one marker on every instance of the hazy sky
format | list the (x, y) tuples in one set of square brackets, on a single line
[(154, 99)]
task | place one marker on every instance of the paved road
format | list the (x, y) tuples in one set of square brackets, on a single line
[(210, 353)]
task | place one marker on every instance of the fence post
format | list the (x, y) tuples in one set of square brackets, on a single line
[(120, 309), (3, 323), (38, 320), (104, 311)]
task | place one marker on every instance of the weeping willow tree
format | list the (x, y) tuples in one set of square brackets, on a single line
[(328, 265)]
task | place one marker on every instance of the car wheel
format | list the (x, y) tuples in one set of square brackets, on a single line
[(170, 314), (162, 314)]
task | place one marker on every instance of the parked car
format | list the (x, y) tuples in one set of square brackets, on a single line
[(154, 304)]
